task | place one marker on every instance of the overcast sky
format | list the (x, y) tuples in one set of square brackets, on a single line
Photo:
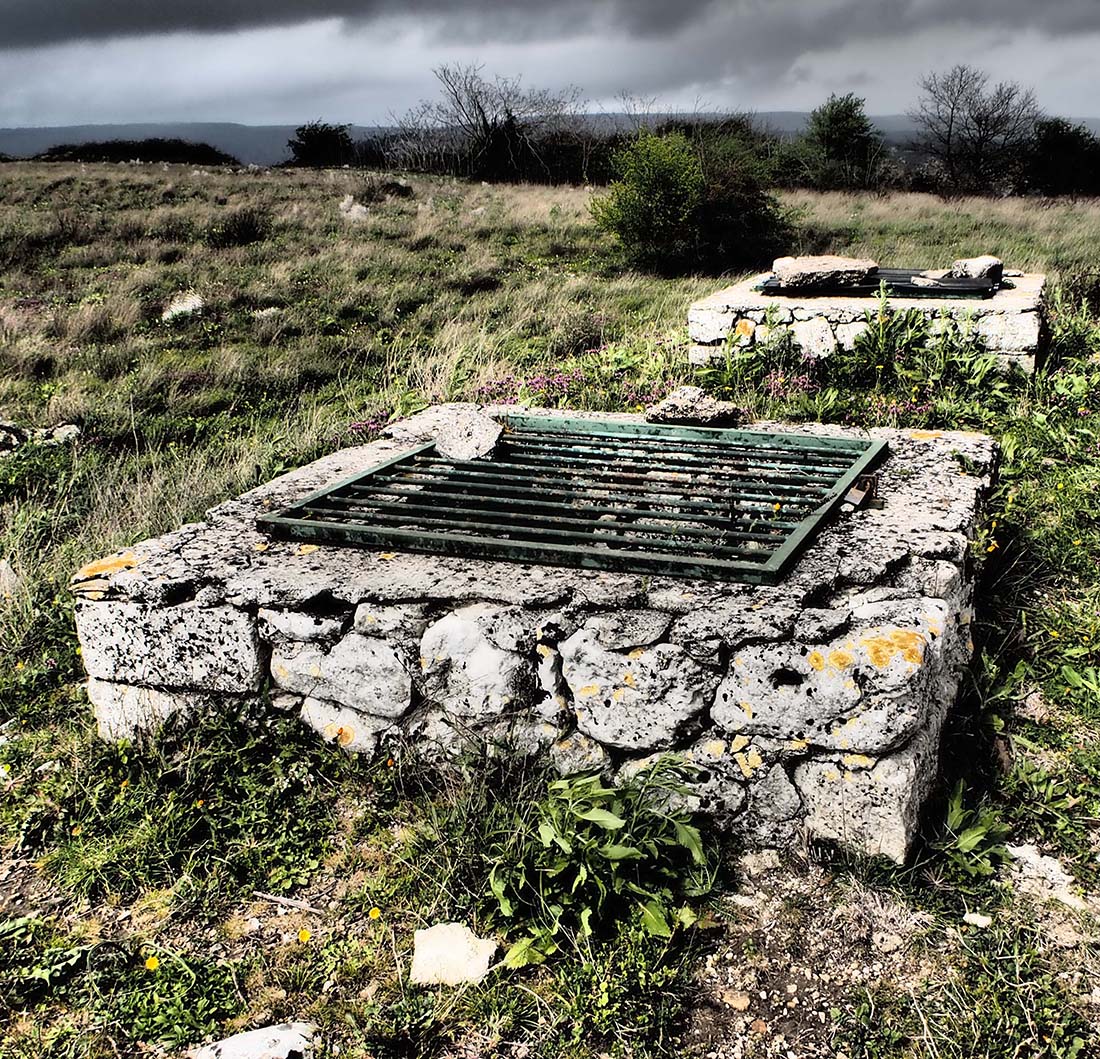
[(66, 62)]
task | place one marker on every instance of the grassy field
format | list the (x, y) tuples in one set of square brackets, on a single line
[(127, 918)]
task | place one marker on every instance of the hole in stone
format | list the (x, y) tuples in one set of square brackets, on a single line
[(787, 678)]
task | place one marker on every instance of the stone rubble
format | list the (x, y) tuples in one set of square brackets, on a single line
[(14, 437), (809, 708), (186, 304), (984, 267)]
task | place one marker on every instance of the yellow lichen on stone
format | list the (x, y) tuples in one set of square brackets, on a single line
[(858, 761), (315, 670), (746, 709), (715, 748), (798, 744), (282, 671), (832, 774), (739, 743), (925, 435), (745, 328), (636, 653), (628, 679), (816, 660), (589, 690), (618, 694), (307, 549), (881, 649), (544, 650), (749, 762), (841, 660), (113, 564), (340, 732)]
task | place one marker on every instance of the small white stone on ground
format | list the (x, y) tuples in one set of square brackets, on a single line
[(976, 919), (466, 435), (1045, 879), (288, 1040), (183, 305), (354, 211), (10, 582), (450, 954)]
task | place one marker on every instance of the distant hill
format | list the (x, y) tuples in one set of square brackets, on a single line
[(252, 144), (266, 144)]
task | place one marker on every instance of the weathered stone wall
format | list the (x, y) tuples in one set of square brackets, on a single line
[(814, 706), (1010, 323)]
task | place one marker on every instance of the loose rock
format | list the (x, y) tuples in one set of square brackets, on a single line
[(690, 404), (186, 304), (804, 272), (985, 267), (466, 435), (288, 1040), (450, 954)]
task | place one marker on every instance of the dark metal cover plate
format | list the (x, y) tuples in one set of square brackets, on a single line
[(899, 283), (696, 502)]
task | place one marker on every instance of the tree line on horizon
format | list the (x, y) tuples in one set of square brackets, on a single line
[(973, 137)]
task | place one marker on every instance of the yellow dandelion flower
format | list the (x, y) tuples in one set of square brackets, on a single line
[(304, 935), (993, 546), (152, 963), (1061, 485), (200, 803), (1055, 633), (76, 830), (1077, 543), (375, 913), (124, 784), (777, 507)]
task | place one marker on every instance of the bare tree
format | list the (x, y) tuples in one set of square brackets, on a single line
[(492, 129), (975, 133)]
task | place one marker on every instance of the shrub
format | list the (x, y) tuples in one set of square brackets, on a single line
[(249, 224), (674, 206)]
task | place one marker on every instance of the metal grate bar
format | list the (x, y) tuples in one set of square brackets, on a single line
[(603, 494)]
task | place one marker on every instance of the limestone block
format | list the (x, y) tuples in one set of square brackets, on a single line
[(690, 404), (359, 672), (774, 813), (1015, 332), (984, 267), (476, 660), (576, 752), (797, 272), (815, 337), (466, 434), (186, 646), (700, 356), (297, 625), (401, 622), (625, 629), (354, 731), (637, 700), (872, 809), (709, 326), (123, 711), (847, 333), (867, 691)]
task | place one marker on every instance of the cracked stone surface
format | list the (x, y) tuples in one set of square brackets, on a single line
[(360, 672), (811, 707)]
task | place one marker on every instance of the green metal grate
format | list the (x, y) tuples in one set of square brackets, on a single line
[(689, 501)]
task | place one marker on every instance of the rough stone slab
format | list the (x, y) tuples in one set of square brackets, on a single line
[(450, 954), (123, 711), (871, 806), (359, 672), (211, 648), (356, 732), (636, 700), (475, 660), (800, 272), (288, 1040), (815, 337), (690, 404)]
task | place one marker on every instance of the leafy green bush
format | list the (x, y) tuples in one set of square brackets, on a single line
[(596, 855), (673, 206)]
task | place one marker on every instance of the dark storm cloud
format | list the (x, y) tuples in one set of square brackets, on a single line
[(791, 25)]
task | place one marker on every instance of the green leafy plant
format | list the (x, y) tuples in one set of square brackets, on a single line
[(973, 839), (593, 854)]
